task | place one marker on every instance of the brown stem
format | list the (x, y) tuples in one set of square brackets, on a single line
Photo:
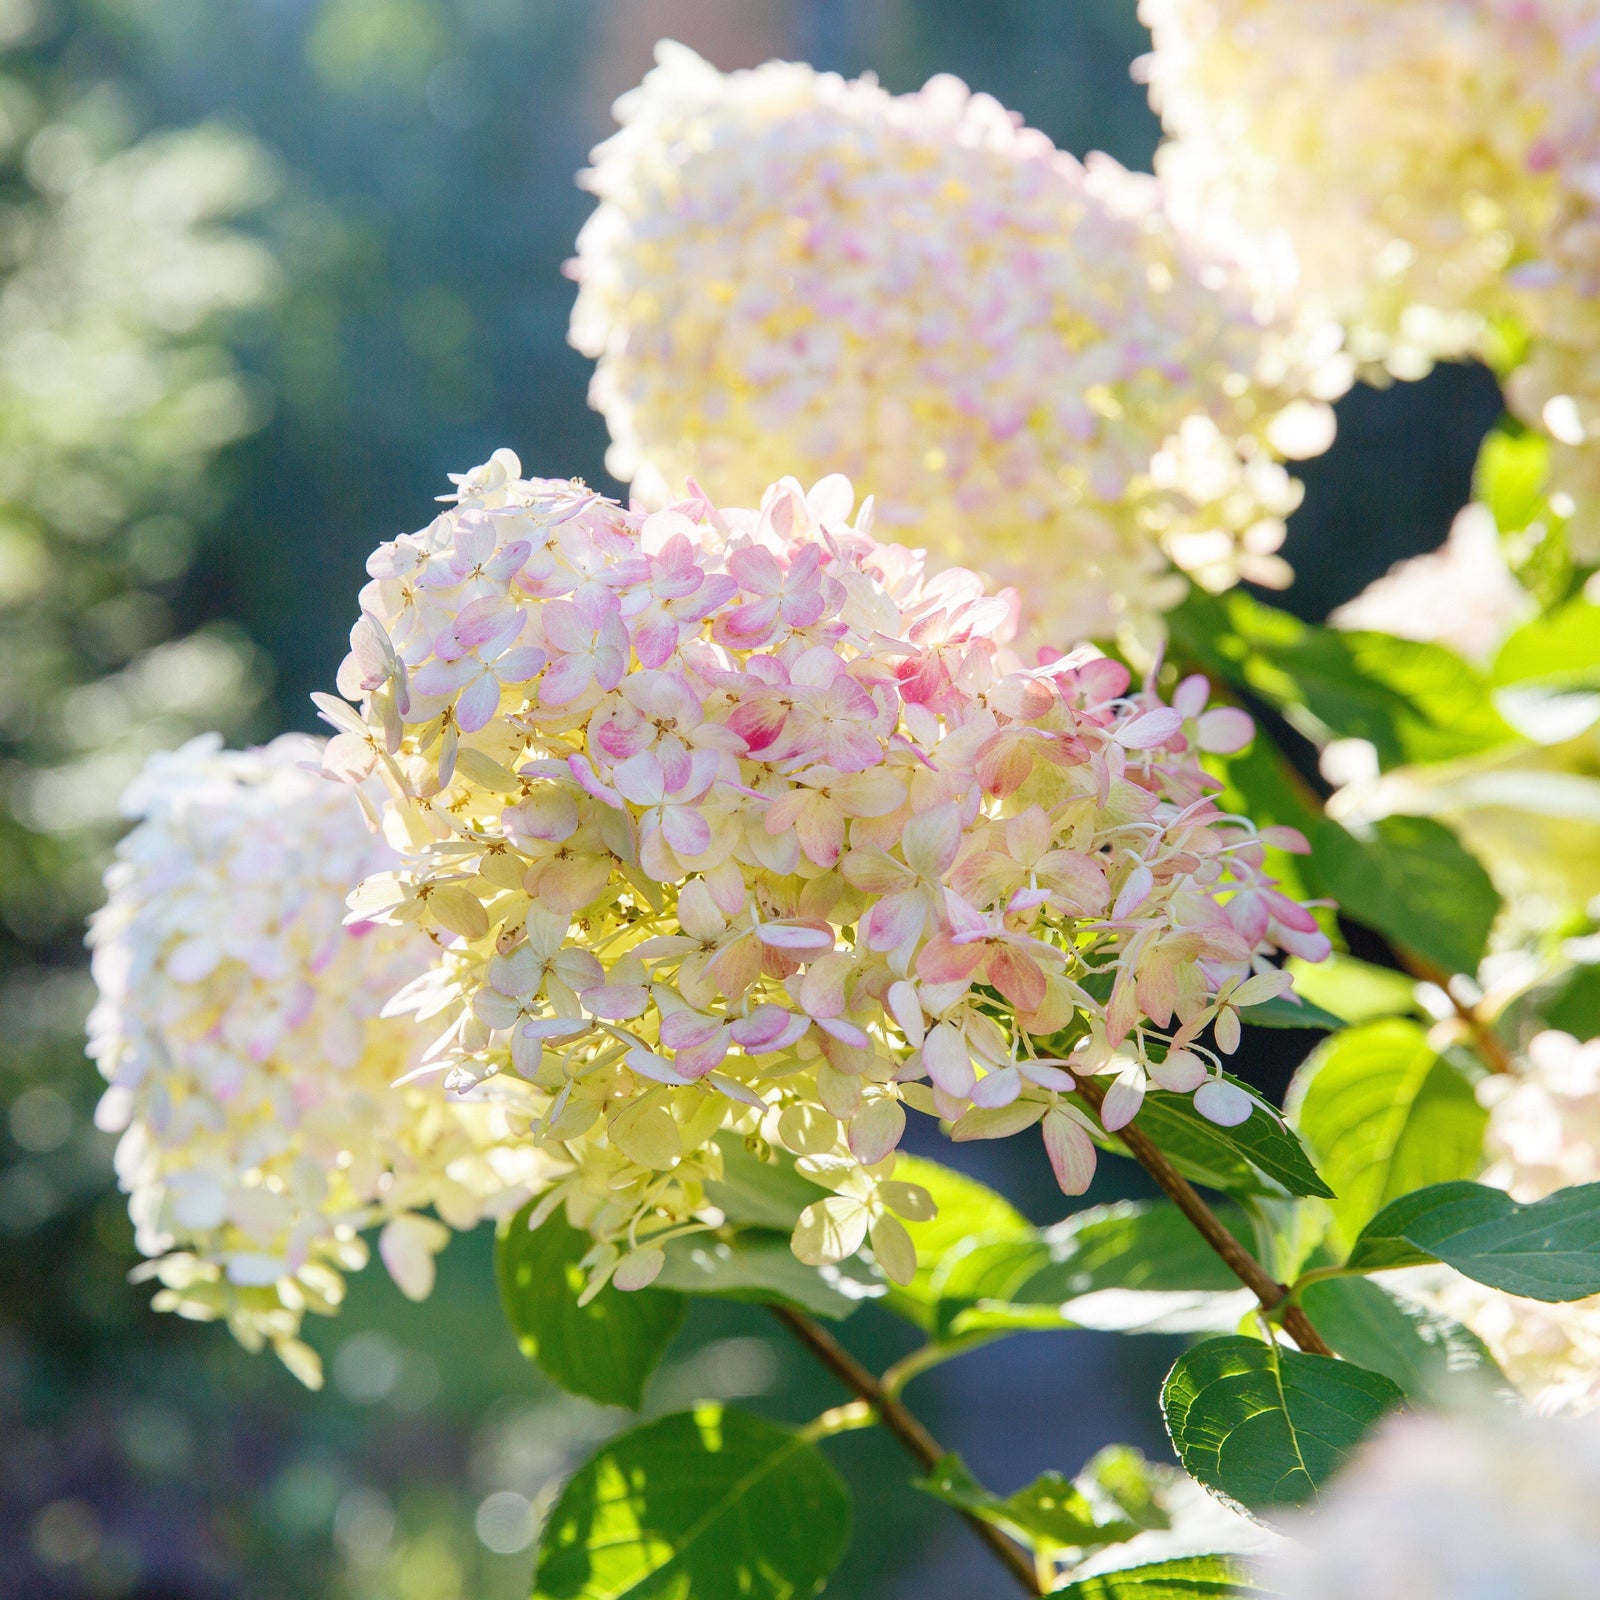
[(1489, 1044), (1208, 1225), (919, 1443)]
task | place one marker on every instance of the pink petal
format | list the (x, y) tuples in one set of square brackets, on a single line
[(944, 1054), (1149, 729), (1071, 1152), (1223, 1103), (1225, 730)]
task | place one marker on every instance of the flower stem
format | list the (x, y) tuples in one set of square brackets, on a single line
[(1208, 1225), (928, 1356), (918, 1442)]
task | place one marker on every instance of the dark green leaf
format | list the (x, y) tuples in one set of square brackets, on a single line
[(1229, 1158), (1282, 1012), (1052, 1513), (1265, 1426), (1423, 1351), (1186, 1578), (757, 1193), (759, 1266), (1412, 701), (1548, 1250), (1385, 1114), (1568, 1002), (1410, 879), (713, 1504), (604, 1350)]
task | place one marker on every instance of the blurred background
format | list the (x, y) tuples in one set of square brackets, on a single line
[(268, 270)]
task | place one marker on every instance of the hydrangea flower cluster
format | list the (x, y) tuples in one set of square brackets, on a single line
[(1443, 1507), (252, 1074), (1428, 166), (1017, 354), (734, 819), (1544, 1135)]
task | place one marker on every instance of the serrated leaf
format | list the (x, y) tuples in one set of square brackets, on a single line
[(757, 1265), (1548, 1250), (1184, 1578), (1261, 1146), (1051, 1513), (1385, 1114), (716, 1504), (604, 1350), (1263, 1426), (755, 1193), (966, 1209), (1412, 880), (1427, 1353)]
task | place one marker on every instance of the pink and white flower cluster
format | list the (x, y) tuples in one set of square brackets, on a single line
[(251, 1074), (1428, 172), (738, 819), (1018, 354)]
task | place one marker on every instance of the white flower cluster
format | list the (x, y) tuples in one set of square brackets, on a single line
[(1430, 170), (239, 1025), (1544, 1135), (1491, 1507), (1018, 355)]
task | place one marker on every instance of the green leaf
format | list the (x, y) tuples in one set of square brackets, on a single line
[(1411, 700), (758, 1193), (1356, 990), (710, 1504), (1568, 1002), (1052, 1513), (1265, 1426), (1510, 476), (759, 1266), (1282, 1012), (966, 1209), (1135, 1266), (1185, 1578), (1385, 1114), (1230, 1159), (1426, 1353), (1548, 1250), (604, 1350), (1561, 649), (1574, 1003), (1410, 879)]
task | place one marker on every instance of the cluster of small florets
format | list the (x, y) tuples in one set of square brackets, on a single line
[(1429, 165), (1543, 1135), (1018, 355), (239, 1025), (740, 819), (1444, 1507)]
